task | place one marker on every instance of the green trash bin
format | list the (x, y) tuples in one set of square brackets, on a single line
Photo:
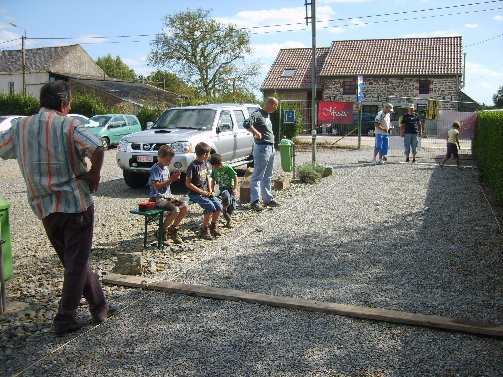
[(286, 152), (5, 237)]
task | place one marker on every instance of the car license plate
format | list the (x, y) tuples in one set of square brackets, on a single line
[(145, 159)]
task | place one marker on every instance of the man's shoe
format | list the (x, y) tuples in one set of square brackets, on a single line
[(271, 204), (256, 206), (214, 230), (379, 162), (204, 233), (374, 160), (407, 159), (111, 311), (173, 233), (62, 329), (413, 160)]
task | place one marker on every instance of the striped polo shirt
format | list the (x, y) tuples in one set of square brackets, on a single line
[(50, 149)]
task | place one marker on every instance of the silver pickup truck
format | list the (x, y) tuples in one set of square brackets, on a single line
[(219, 125)]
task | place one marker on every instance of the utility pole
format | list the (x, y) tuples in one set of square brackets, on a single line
[(23, 55), (313, 75)]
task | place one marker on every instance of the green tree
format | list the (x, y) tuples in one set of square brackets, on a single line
[(498, 98), (116, 68), (207, 54), (170, 82)]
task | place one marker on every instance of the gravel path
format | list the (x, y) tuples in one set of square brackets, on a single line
[(400, 236)]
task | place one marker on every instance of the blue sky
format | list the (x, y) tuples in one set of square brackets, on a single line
[(480, 25)]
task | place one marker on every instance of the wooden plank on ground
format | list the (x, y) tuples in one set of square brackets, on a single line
[(432, 321)]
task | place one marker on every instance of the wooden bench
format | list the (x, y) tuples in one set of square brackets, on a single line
[(152, 216)]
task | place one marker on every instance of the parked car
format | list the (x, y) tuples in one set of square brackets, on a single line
[(5, 121), (219, 125), (85, 121), (111, 128)]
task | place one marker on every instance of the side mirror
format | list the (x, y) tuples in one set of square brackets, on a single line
[(150, 124)]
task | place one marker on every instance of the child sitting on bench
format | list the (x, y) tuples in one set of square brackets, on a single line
[(160, 193)]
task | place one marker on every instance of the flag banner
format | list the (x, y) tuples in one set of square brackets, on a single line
[(359, 95), (335, 112)]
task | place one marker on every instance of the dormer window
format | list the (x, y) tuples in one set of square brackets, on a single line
[(288, 72)]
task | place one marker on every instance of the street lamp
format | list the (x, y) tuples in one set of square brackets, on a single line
[(23, 56)]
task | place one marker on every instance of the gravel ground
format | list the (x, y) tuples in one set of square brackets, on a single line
[(408, 237)]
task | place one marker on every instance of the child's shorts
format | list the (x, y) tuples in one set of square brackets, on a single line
[(170, 205), (228, 200), (208, 204)]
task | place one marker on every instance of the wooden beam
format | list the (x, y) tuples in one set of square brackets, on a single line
[(432, 321)]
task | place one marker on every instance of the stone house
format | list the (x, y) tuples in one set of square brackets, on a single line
[(400, 71), (73, 64)]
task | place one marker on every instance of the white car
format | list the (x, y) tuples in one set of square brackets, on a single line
[(85, 121), (5, 121), (219, 125)]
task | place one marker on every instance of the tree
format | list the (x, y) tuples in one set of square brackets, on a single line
[(170, 82), (116, 68), (498, 98), (207, 54)]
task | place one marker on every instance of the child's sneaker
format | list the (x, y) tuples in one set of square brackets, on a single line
[(204, 233), (173, 233), (227, 218), (214, 230), (374, 160)]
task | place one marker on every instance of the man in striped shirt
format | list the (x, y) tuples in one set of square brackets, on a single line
[(51, 149)]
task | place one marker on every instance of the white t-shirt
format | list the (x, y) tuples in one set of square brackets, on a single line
[(384, 121)]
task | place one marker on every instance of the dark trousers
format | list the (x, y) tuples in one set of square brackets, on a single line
[(71, 235)]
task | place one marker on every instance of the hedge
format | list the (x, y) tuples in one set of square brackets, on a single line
[(488, 151)]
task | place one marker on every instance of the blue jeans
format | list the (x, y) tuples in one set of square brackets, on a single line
[(260, 181), (409, 140), (208, 204)]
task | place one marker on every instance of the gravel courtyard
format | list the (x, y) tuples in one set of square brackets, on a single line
[(407, 237)]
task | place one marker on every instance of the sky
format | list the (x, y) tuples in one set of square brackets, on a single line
[(125, 28)]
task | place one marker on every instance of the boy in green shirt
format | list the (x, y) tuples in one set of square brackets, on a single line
[(226, 178)]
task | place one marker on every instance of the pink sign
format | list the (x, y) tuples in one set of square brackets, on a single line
[(335, 112)]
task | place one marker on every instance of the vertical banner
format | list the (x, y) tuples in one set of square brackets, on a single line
[(359, 95)]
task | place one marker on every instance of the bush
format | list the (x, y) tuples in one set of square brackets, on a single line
[(149, 114), (309, 173), (487, 147), (88, 105), (17, 104)]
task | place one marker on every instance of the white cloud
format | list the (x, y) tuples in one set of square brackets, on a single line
[(276, 20), (270, 50), (498, 18), (471, 26), (482, 82), (437, 33), (90, 39)]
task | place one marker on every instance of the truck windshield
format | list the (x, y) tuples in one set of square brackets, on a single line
[(194, 119)]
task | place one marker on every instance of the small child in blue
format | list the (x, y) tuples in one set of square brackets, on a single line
[(227, 179), (160, 193), (198, 182)]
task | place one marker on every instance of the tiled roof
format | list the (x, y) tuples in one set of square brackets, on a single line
[(298, 59), (135, 92), (392, 57), (369, 57), (38, 59)]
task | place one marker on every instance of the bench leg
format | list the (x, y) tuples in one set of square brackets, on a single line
[(145, 232), (160, 233)]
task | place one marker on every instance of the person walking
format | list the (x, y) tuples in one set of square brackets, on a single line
[(51, 148), (452, 144), (382, 126), (410, 128), (259, 124)]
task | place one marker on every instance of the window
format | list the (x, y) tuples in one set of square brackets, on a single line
[(349, 87), (240, 118), (424, 86), (288, 72), (11, 87), (225, 121)]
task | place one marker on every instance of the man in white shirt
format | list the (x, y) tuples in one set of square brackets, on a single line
[(382, 126)]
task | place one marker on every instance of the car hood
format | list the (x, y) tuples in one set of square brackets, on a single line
[(163, 135)]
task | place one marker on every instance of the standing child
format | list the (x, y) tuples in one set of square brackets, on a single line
[(198, 182), (452, 144), (227, 179), (160, 193)]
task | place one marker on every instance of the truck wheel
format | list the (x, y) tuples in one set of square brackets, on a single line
[(135, 180)]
